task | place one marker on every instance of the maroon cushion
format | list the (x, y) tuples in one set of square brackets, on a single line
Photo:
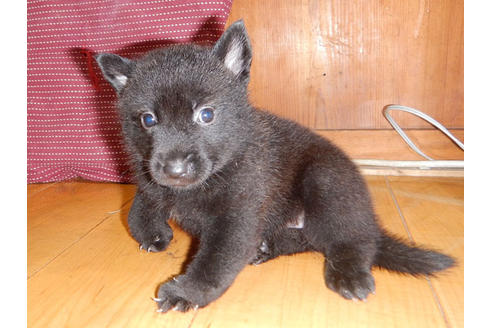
[(72, 123)]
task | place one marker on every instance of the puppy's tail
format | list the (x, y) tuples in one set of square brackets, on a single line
[(393, 254)]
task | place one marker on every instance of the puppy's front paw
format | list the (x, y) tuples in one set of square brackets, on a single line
[(155, 244), (171, 295)]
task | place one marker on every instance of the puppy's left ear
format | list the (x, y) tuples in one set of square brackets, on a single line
[(234, 50), (116, 70)]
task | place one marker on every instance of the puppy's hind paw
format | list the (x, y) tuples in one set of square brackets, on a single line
[(354, 286), (262, 254)]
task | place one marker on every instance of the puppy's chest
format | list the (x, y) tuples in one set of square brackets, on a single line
[(194, 214)]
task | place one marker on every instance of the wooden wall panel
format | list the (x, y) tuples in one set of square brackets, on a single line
[(388, 145), (335, 64)]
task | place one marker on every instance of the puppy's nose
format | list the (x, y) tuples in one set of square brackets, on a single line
[(179, 166)]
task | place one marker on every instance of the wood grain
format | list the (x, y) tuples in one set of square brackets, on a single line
[(433, 209), (336, 64), (33, 189), (383, 144), (102, 280), (105, 281), (64, 212)]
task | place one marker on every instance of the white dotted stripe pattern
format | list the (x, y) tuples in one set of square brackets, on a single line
[(72, 125)]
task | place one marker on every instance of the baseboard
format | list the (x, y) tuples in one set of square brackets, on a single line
[(387, 144), (393, 171)]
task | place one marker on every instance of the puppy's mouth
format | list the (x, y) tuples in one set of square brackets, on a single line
[(179, 182)]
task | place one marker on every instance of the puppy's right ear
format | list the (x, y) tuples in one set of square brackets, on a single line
[(116, 70)]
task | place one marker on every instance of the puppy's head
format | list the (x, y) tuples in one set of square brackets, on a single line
[(182, 108)]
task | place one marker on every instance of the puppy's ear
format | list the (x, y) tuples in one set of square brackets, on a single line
[(116, 70), (234, 50)]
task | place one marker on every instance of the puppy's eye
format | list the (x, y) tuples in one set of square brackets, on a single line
[(148, 120), (206, 115)]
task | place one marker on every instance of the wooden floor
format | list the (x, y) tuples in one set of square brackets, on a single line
[(84, 270)]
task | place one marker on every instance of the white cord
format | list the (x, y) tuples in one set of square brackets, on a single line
[(423, 116)]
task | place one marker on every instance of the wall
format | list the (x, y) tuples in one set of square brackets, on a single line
[(334, 65)]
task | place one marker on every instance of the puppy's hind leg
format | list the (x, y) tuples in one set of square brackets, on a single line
[(348, 261), (287, 241), (340, 224)]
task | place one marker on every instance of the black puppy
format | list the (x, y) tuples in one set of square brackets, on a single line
[(249, 185)]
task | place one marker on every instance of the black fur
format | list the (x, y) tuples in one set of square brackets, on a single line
[(242, 181)]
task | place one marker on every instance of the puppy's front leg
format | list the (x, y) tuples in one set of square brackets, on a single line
[(148, 224), (225, 249)]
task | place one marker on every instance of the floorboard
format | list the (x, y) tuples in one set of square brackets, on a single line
[(61, 214), (434, 211), (84, 270)]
